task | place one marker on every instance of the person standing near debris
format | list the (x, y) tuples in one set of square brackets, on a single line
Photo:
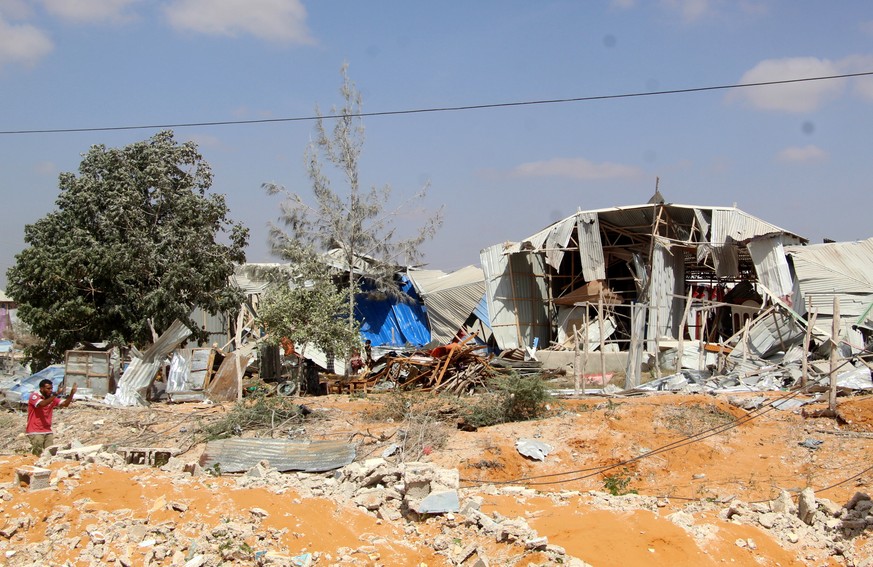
[(40, 408)]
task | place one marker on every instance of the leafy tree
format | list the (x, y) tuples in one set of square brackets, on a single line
[(302, 303), (134, 238), (358, 225)]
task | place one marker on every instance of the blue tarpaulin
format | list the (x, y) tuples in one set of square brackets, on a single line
[(388, 321)]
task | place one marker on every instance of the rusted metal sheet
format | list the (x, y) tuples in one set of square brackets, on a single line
[(226, 385), (240, 455)]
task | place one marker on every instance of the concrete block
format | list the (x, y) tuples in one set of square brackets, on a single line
[(35, 478), (152, 456)]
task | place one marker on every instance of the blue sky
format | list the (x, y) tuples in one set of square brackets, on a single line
[(800, 155)]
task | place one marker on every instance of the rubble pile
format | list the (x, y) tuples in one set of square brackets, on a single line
[(821, 527), (408, 494)]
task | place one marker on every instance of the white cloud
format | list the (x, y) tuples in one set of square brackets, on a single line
[(623, 4), (575, 168), (690, 10), (792, 97), (805, 154), (15, 9), (861, 86), (89, 11), (23, 43), (272, 20)]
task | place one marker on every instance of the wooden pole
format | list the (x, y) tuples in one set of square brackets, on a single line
[(681, 348), (577, 359), (602, 342), (585, 345), (835, 355), (704, 317), (804, 377)]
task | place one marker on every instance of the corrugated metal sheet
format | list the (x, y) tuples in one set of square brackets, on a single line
[(730, 224), (498, 287), (775, 332), (665, 292), (557, 241), (240, 455), (167, 342), (216, 326), (517, 297), (140, 372), (726, 260), (390, 321), (320, 358), (449, 298), (481, 311), (768, 254), (704, 219), (590, 247), (245, 277), (844, 269)]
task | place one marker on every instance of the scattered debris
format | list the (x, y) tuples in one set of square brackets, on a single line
[(533, 449)]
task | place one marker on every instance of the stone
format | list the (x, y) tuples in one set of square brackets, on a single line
[(806, 506), (537, 543), (437, 502), (370, 498), (830, 508), (783, 504), (470, 504), (856, 499), (767, 520)]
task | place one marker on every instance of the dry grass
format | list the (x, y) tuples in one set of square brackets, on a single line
[(693, 419)]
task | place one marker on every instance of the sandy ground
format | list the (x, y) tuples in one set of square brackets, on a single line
[(649, 441)]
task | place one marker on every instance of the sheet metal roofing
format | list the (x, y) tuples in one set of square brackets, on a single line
[(390, 321), (449, 298), (725, 222), (240, 455), (844, 269), (246, 277)]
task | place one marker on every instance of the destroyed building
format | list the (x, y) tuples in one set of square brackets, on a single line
[(646, 276), (432, 307)]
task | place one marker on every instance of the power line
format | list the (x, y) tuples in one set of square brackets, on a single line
[(437, 109)]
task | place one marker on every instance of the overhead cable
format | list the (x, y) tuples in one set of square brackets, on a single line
[(436, 109)]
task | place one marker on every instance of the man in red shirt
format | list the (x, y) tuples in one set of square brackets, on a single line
[(40, 407)]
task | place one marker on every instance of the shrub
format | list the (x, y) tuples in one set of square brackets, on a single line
[(422, 418), (516, 398), (257, 411), (617, 484)]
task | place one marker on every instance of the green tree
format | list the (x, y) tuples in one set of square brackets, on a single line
[(358, 226), (302, 303), (134, 237)]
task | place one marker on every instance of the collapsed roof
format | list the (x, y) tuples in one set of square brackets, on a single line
[(645, 254)]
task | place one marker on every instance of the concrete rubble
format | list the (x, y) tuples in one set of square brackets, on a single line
[(406, 494)]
